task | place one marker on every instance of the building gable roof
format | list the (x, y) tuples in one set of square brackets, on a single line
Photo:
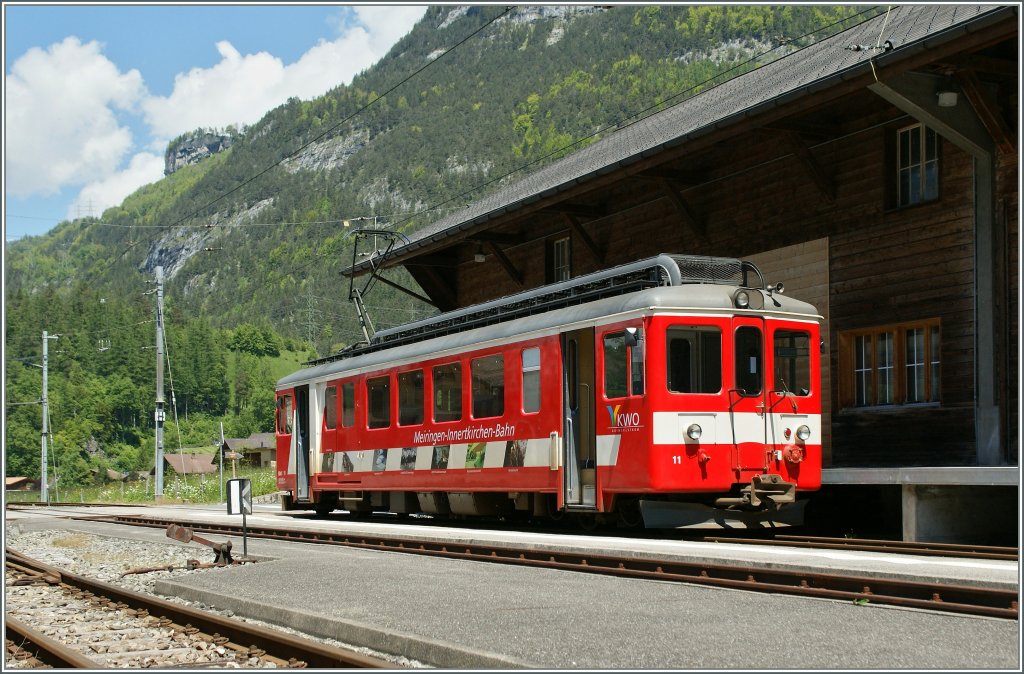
[(191, 464), (254, 441)]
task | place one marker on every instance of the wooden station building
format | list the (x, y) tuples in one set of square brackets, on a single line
[(875, 173)]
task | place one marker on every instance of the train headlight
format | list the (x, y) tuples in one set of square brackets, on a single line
[(803, 432), (742, 299), (693, 432)]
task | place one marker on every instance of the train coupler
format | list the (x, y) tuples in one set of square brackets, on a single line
[(764, 492)]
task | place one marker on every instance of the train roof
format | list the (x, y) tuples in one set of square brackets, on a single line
[(666, 283)]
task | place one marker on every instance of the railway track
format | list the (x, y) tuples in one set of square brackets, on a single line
[(874, 545), (106, 626), (946, 597)]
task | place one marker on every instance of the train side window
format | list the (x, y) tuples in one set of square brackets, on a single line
[(793, 362), (748, 360), (410, 398), (635, 344), (488, 374), (378, 395), (623, 364), (448, 392), (348, 404), (284, 414), (331, 407), (531, 380), (694, 358)]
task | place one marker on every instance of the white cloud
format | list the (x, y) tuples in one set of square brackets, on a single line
[(96, 197), (386, 25), (240, 89), (60, 127)]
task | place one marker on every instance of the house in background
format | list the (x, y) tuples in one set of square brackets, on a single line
[(22, 484), (190, 464), (257, 450)]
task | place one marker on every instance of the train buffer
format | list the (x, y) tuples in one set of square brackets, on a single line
[(221, 551)]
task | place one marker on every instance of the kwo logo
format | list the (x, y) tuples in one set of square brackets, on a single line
[(623, 420)]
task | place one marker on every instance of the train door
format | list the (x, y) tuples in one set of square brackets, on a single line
[(578, 368), (302, 443), (747, 396)]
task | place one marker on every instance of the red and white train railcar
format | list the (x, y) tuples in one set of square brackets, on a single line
[(675, 391)]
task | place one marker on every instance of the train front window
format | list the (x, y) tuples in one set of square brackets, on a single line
[(488, 375), (448, 392), (748, 360), (331, 408), (694, 358), (410, 398), (793, 362), (378, 393)]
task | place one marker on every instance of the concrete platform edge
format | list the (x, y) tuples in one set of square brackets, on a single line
[(437, 653)]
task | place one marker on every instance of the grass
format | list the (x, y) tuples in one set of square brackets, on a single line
[(177, 489)]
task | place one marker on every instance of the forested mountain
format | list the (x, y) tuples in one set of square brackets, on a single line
[(251, 240)]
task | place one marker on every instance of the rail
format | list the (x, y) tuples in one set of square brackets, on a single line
[(280, 648), (876, 545)]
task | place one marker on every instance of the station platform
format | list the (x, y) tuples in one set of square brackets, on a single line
[(952, 504)]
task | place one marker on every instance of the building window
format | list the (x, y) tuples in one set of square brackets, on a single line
[(917, 165), (890, 365), (559, 260)]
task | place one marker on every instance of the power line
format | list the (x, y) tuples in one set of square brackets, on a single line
[(317, 256), (33, 217), (624, 123), (339, 124)]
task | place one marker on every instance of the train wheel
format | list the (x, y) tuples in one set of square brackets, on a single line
[(324, 509), (629, 515), (553, 513), (586, 521)]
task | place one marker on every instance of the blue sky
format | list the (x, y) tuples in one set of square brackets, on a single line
[(92, 94)]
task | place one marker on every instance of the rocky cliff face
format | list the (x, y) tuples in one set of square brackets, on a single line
[(194, 149)]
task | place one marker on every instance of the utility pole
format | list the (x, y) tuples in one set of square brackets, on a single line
[(220, 451), (158, 490), (44, 495)]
